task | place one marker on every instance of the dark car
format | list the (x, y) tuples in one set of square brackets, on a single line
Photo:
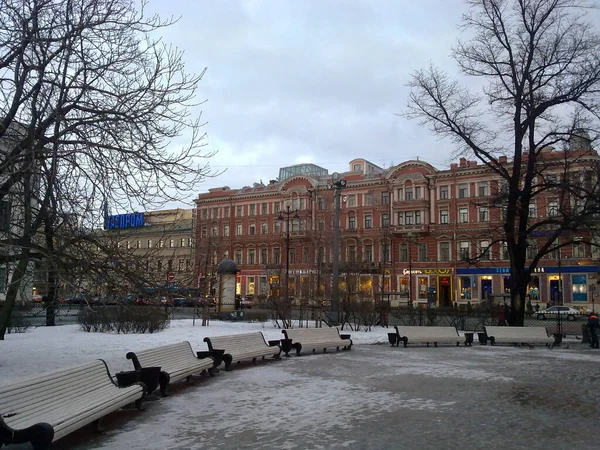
[(207, 301), (179, 301)]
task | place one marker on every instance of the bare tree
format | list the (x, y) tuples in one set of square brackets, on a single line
[(94, 104), (541, 62)]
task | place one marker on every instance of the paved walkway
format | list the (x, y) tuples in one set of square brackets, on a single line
[(377, 397)]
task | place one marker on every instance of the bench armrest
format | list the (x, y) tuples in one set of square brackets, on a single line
[(204, 354), (345, 336), (274, 343)]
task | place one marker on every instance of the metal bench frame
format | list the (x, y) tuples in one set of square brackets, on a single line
[(317, 338), (240, 347)]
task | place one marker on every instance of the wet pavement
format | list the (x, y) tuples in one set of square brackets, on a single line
[(378, 397)]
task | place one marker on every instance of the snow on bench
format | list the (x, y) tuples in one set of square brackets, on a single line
[(239, 347), (45, 408), (317, 338), (428, 335), (177, 361), (518, 335)]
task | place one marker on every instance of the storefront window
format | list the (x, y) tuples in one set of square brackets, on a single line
[(579, 288), (422, 283), (465, 285), (506, 285), (366, 285), (250, 286), (533, 289), (403, 284), (238, 285)]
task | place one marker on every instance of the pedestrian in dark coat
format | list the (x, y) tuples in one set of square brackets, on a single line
[(593, 327)]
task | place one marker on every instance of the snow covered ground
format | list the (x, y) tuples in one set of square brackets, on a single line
[(373, 397)]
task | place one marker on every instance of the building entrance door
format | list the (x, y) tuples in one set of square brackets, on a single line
[(444, 291), (555, 291), (486, 288)]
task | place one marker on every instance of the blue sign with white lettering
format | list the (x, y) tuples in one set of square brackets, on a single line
[(124, 221)]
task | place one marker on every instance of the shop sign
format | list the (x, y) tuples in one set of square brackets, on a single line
[(406, 272)]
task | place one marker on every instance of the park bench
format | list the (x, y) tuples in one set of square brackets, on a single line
[(43, 409), (518, 335), (177, 361), (427, 335), (317, 338), (239, 347)]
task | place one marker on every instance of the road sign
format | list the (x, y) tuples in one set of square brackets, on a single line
[(170, 276)]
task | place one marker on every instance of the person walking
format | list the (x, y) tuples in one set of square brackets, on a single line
[(529, 308), (506, 314), (593, 327)]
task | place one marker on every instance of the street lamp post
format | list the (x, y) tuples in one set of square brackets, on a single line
[(287, 212), (337, 184), (410, 237)]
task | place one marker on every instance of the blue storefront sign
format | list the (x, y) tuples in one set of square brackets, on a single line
[(124, 221), (506, 270)]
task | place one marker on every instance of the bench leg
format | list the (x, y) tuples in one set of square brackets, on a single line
[(189, 379), (298, 347), (98, 428), (492, 340), (253, 360), (227, 359), (163, 381), (405, 341), (139, 405), (435, 344), (39, 435), (325, 350)]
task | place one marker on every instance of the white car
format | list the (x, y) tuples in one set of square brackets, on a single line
[(565, 312)]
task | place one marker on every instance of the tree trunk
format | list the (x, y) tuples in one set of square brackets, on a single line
[(518, 290), (11, 295)]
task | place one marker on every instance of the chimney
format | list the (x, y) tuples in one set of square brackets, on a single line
[(453, 166), (472, 163), (503, 159), (463, 162)]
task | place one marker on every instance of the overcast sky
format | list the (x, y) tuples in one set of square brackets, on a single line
[(311, 81)]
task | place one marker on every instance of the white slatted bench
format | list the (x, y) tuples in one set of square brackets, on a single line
[(239, 347), (317, 338), (518, 335), (428, 335), (42, 409), (177, 361)]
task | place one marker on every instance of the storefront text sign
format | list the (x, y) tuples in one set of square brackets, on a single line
[(406, 272)]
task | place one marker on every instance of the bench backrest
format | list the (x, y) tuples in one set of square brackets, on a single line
[(170, 358), (312, 334), (516, 332), (40, 395), (237, 343), (445, 332)]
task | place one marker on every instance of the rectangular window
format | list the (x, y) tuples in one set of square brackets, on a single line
[(444, 192), (485, 251), (252, 229), (190, 242), (368, 253), (484, 214), (170, 265), (483, 189), (277, 208), (444, 216), (368, 200), (321, 225), (214, 232), (399, 196), (409, 218), (463, 215), (302, 204), (251, 256), (277, 226), (464, 253), (159, 266), (403, 253), (553, 208), (171, 243), (321, 257), (444, 251), (204, 232), (352, 223), (161, 243), (305, 255), (205, 213), (226, 212), (368, 221), (400, 218), (532, 249), (263, 255), (408, 194), (532, 211), (188, 265), (504, 251), (321, 203), (292, 255), (149, 243), (264, 228), (351, 200), (215, 214), (238, 211), (252, 209), (351, 253), (182, 242), (238, 256), (578, 250), (226, 230), (138, 244), (417, 217), (385, 220), (385, 252), (276, 256), (417, 193), (264, 209), (422, 252), (238, 229), (181, 265), (463, 190), (385, 198)]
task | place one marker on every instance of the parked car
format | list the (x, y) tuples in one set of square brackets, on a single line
[(207, 301), (179, 301), (37, 299), (565, 311), (246, 303)]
